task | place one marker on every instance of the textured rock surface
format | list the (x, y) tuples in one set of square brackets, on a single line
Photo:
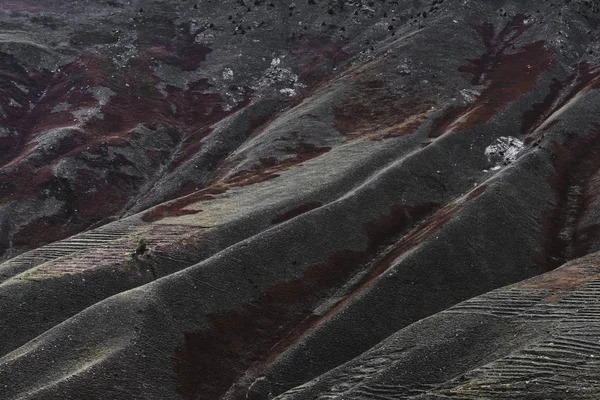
[(330, 193)]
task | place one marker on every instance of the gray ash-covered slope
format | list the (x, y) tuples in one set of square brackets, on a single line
[(329, 193)]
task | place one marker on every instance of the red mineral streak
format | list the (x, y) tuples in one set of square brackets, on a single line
[(208, 361), (371, 111), (267, 169), (506, 76), (379, 232), (41, 101), (316, 55)]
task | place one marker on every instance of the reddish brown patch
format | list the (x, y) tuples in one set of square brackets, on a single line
[(305, 151), (27, 173), (370, 116), (372, 111), (173, 213), (478, 191), (189, 56), (411, 240), (176, 208), (576, 162), (13, 6), (257, 125), (566, 278), (396, 221), (15, 104), (585, 78), (294, 212), (318, 56), (443, 123), (385, 227), (539, 111), (496, 45), (222, 167), (43, 231), (267, 169), (507, 75), (208, 362), (187, 114)]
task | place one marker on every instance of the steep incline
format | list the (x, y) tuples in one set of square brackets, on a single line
[(235, 200), (535, 340)]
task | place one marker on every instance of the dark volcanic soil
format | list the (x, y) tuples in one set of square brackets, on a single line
[(297, 200)]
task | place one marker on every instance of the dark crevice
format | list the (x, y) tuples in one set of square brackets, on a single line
[(560, 92), (576, 162)]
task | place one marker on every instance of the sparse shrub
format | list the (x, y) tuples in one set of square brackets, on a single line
[(141, 247)]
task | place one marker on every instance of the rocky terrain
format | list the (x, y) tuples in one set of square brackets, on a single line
[(318, 199)]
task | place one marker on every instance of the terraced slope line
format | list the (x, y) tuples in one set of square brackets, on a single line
[(537, 339)]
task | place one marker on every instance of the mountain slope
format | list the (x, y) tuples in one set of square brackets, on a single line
[(234, 200)]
